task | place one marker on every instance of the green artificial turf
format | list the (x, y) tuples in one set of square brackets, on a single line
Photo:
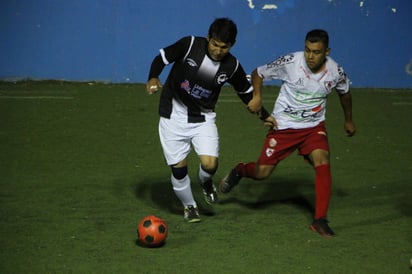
[(81, 164)]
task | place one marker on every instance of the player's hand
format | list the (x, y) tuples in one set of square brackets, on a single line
[(350, 129), (270, 122), (254, 105), (153, 85)]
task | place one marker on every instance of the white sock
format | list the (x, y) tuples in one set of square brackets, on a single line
[(203, 175), (183, 190)]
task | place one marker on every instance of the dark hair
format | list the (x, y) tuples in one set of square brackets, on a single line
[(318, 35), (223, 29)]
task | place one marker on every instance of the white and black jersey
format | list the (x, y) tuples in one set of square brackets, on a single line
[(195, 80)]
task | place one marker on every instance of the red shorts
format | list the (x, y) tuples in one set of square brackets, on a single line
[(281, 143)]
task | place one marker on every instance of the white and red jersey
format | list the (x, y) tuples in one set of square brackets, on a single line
[(302, 98)]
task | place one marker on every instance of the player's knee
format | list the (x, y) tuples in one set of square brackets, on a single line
[(319, 157), (179, 172), (260, 176), (210, 169), (262, 172), (210, 165)]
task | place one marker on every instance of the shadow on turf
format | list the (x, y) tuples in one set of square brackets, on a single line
[(250, 194), (272, 192), (138, 243), (161, 193)]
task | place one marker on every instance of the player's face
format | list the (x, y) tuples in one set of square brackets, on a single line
[(217, 49), (315, 55)]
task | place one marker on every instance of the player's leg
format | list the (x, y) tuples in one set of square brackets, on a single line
[(176, 148), (183, 191), (323, 181), (275, 148), (206, 145), (316, 149), (249, 170), (207, 168)]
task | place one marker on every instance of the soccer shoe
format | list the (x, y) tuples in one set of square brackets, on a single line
[(209, 192), (229, 181), (191, 214), (321, 226)]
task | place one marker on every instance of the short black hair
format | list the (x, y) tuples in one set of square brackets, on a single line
[(318, 35), (223, 29)]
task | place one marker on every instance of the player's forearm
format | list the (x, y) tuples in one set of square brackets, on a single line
[(156, 68), (246, 98), (257, 83), (346, 103)]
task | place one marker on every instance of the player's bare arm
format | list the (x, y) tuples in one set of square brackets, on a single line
[(346, 103), (255, 104), (257, 83)]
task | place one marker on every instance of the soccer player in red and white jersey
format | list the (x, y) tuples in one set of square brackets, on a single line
[(308, 78), (201, 66)]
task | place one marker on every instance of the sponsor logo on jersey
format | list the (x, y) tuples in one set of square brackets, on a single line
[(285, 59), (185, 85), (317, 109), (199, 92)]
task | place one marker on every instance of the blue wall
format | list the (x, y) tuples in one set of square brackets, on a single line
[(115, 40)]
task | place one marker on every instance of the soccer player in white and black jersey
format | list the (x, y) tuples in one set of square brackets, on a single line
[(308, 77), (201, 66)]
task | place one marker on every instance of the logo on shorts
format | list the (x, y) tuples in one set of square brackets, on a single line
[(272, 142), (322, 133), (269, 152)]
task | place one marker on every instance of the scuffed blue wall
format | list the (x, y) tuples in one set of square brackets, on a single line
[(115, 40)]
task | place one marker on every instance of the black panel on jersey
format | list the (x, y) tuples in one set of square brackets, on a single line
[(195, 80)]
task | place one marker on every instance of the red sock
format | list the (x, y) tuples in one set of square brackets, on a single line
[(246, 170), (323, 182)]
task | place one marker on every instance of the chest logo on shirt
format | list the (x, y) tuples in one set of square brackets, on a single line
[(328, 84), (221, 78)]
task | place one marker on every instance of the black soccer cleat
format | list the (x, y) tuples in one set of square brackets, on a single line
[(229, 181), (191, 214), (209, 192), (321, 226)]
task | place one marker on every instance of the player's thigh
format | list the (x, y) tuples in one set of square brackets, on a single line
[(276, 147), (205, 139), (175, 140), (316, 147)]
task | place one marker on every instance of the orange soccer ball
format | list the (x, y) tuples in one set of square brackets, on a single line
[(152, 231)]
